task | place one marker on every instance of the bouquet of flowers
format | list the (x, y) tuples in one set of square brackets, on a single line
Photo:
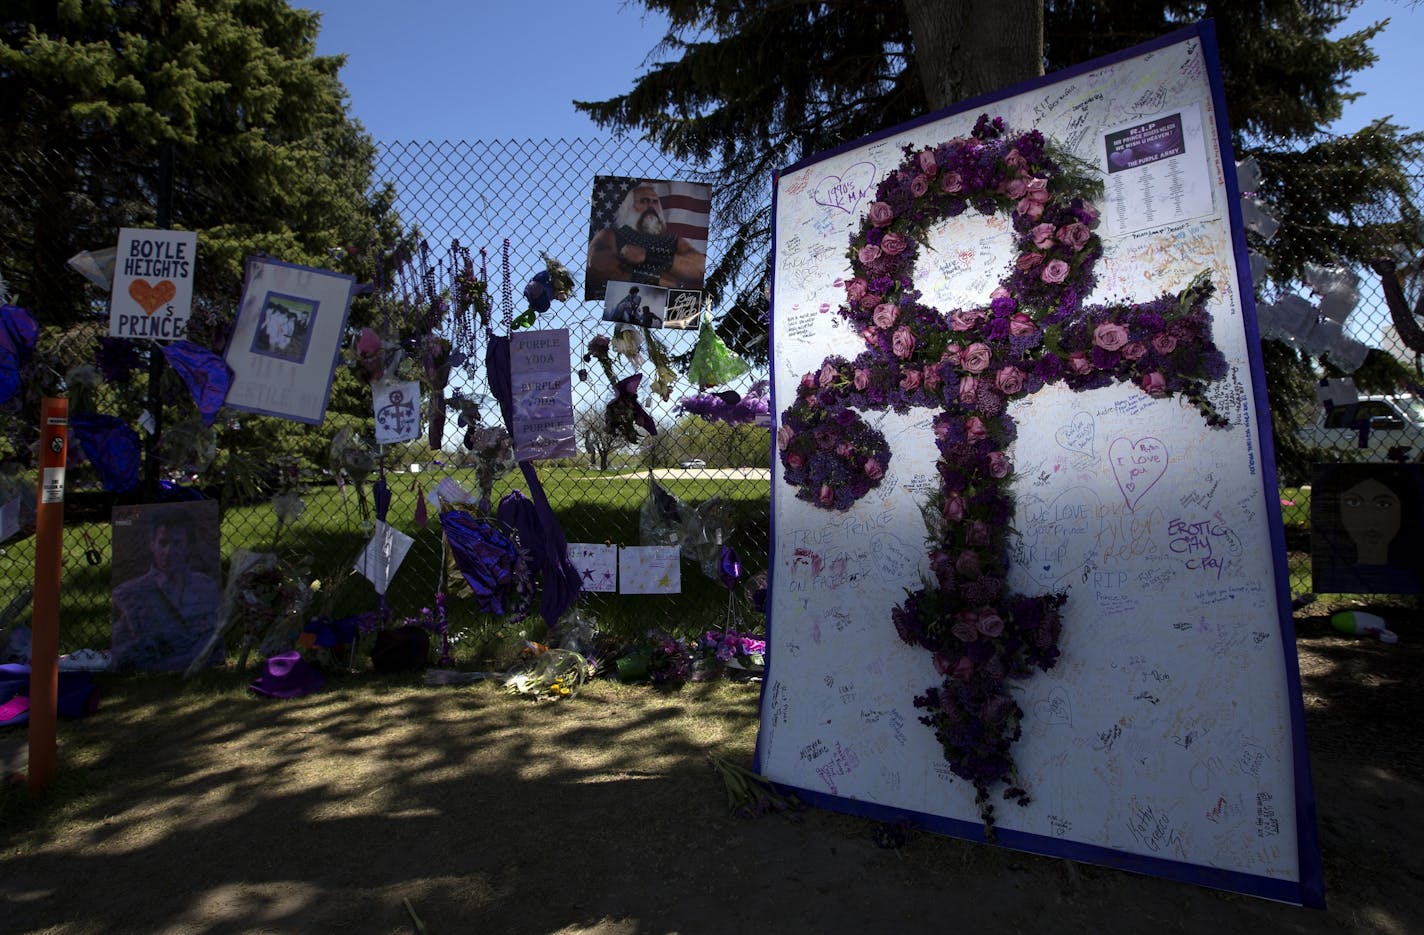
[(671, 662), (738, 650)]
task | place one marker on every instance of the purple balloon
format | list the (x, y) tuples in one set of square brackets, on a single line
[(730, 568)]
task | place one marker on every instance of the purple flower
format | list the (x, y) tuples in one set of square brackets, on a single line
[(881, 214), (902, 342), (976, 357)]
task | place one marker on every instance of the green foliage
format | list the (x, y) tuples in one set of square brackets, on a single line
[(265, 158)]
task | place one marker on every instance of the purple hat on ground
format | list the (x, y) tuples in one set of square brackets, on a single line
[(288, 675)]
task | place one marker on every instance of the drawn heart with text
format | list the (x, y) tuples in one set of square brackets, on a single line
[(1137, 466)]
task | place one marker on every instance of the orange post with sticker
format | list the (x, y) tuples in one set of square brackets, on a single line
[(49, 560)]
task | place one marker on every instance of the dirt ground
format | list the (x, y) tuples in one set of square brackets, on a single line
[(205, 810)]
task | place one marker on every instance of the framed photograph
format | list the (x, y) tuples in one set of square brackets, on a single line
[(286, 340)]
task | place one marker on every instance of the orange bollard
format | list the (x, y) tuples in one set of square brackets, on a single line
[(49, 560)]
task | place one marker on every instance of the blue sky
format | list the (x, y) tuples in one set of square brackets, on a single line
[(452, 69)]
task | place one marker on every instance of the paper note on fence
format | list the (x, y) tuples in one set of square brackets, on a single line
[(383, 555), (649, 569), (597, 565)]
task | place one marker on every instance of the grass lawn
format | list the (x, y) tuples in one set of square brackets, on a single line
[(592, 506)]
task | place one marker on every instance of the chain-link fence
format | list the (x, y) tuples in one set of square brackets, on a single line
[(706, 481)]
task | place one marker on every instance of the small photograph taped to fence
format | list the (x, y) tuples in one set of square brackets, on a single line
[(284, 330), (629, 303), (1367, 528), (651, 232), (683, 308), (166, 592)]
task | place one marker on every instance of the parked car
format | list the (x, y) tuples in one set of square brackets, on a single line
[(694, 463), (1393, 429)]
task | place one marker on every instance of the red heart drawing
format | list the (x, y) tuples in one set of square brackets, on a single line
[(152, 297)]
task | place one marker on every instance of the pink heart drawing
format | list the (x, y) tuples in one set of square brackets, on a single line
[(845, 192), (1137, 466)]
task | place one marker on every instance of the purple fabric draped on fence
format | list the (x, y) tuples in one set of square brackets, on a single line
[(560, 581)]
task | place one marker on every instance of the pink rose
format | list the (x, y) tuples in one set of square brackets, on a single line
[(933, 378), (976, 533), (1075, 235), (999, 293), (950, 182), (1054, 271), (1110, 336), (1009, 380), (808, 381), (870, 300), (966, 565), (1015, 160), (927, 162), (919, 185), (953, 509), (862, 378), (910, 380), (968, 389), (963, 669), (856, 288), (1042, 235), (1079, 363), (990, 624), (868, 254), (1028, 261), (1015, 188), (952, 354), (784, 436), (893, 244), (1154, 384), (965, 631), (794, 461), (902, 342), (873, 469), (845, 449), (1021, 325), (827, 496), (943, 664), (869, 335), (1033, 210), (964, 319), (999, 464), (1164, 343), (974, 429), (885, 314), (828, 374), (881, 214), (1036, 184), (976, 357), (1134, 350)]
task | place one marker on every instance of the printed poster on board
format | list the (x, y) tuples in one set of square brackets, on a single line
[(166, 585), (649, 233), (1024, 489), (153, 284), (543, 395)]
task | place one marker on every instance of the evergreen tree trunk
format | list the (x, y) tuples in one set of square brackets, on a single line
[(968, 47)]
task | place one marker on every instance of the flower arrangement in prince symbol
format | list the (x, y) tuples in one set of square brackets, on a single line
[(970, 363)]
